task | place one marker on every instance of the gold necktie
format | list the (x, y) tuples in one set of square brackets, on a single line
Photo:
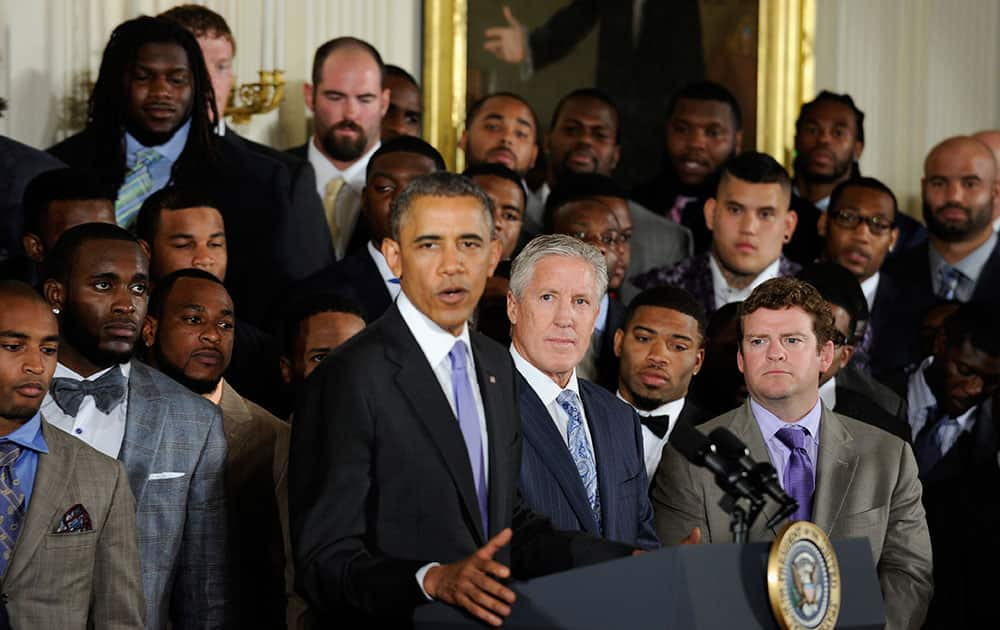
[(330, 205)]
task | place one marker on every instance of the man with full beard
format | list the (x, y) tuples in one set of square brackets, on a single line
[(348, 99), (960, 260), (170, 440), (189, 334)]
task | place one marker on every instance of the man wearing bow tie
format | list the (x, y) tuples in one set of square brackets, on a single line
[(582, 462), (171, 441), (661, 346), (68, 551)]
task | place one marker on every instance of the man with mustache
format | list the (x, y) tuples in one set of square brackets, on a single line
[(661, 345), (348, 98), (959, 261), (703, 130), (582, 459), (860, 228), (749, 221), (584, 139), (956, 443), (171, 441), (70, 556), (189, 334)]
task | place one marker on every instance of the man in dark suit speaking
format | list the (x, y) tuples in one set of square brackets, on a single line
[(406, 446)]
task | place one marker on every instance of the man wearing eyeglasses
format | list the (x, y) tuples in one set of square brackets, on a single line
[(593, 221), (860, 230)]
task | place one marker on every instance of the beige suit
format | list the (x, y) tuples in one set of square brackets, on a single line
[(65, 580), (255, 534), (866, 487)]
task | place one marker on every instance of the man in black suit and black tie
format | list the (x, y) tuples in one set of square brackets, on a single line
[(407, 445), (661, 346)]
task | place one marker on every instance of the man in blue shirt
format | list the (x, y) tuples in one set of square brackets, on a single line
[(54, 489)]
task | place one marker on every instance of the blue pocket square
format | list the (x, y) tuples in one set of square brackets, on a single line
[(76, 519)]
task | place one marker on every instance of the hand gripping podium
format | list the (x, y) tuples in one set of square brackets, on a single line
[(692, 587)]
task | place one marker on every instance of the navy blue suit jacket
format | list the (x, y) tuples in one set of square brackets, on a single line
[(551, 485)]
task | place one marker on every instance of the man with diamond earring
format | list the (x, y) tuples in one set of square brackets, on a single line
[(851, 479)]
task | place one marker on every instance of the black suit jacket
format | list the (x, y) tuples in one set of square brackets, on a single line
[(607, 362), (356, 277), (252, 192), (896, 344), (963, 516), (305, 237), (380, 482), (862, 398), (301, 151), (551, 484), (19, 164)]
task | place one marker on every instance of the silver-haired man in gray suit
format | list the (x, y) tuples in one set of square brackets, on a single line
[(171, 441)]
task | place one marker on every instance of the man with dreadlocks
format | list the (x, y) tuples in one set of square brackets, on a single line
[(151, 121)]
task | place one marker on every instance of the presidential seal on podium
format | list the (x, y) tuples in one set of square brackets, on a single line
[(803, 578)]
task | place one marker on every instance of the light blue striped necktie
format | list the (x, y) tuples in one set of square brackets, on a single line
[(579, 449), (951, 278), (137, 186)]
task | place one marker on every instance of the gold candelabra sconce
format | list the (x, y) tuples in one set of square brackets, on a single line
[(256, 98)]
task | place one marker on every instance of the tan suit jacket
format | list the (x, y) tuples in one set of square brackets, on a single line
[(255, 536), (866, 487), (79, 579)]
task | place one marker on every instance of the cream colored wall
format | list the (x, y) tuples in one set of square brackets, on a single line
[(921, 70), (47, 47)]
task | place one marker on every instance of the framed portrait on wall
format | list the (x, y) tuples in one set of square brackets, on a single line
[(637, 51)]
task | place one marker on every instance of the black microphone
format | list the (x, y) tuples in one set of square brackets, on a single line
[(699, 450), (762, 474)]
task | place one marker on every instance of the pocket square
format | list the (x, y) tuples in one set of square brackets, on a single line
[(76, 519), (165, 475)]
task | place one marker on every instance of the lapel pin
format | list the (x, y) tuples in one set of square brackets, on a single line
[(493, 379)]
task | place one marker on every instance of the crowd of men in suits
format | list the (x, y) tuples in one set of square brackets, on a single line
[(242, 387)]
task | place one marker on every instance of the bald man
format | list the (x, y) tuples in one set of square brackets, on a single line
[(991, 138), (960, 260)]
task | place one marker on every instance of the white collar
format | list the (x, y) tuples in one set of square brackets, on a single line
[(543, 386), (870, 287), (828, 393), (672, 408), (434, 341), (353, 175), (380, 263), (725, 294), (64, 372)]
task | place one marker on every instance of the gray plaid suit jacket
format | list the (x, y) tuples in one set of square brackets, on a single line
[(81, 579), (175, 453)]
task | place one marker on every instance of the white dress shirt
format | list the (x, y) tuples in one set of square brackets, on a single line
[(103, 431), (921, 402), (652, 444), (436, 343), (348, 203), (390, 280), (547, 390), (724, 294)]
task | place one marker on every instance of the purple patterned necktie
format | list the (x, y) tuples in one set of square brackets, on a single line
[(799, 480), (468, 421)]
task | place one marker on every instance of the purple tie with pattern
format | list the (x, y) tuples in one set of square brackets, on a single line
[(799, 480), (468, 421)]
